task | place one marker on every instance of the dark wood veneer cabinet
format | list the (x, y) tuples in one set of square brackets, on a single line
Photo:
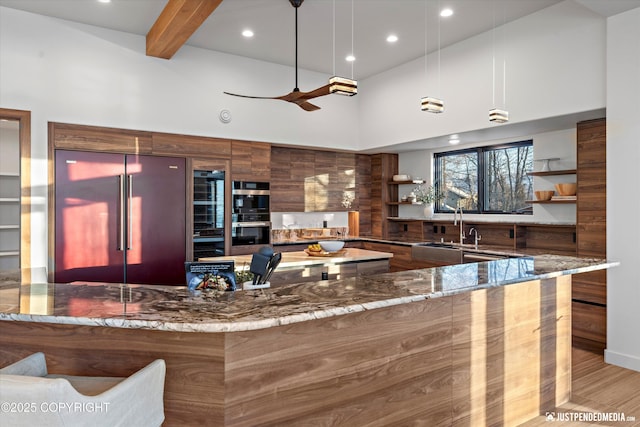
[(590, 289), (250, 161)]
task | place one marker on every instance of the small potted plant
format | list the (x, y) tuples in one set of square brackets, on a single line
[(426, 195)]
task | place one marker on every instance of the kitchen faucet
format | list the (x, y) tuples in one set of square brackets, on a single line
[(455, 222), (477, 236)]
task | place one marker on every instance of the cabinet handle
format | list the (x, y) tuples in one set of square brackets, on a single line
[(121, 212), (129, 203)]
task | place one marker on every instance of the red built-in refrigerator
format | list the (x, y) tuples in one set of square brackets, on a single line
[(119, 218)]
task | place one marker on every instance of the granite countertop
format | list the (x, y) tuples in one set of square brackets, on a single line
[(178, 309), (523, 220), (302, 259), (507, 251)]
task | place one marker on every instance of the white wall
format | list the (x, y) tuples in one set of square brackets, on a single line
[(545, 52), (560, 144), (623, 182), (67, 72)]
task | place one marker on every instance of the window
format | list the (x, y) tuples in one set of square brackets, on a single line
[(492, 179)]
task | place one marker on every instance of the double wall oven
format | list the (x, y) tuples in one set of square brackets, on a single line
[(250, 224)]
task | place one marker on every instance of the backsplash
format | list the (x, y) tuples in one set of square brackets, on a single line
[(295, 226)]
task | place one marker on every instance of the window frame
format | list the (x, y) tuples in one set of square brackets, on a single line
[(482, 175)]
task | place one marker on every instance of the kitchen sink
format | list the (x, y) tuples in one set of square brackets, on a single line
[(435, 245), (441, 253)]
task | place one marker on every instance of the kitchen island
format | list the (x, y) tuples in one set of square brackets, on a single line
[(474, 344), (299, 266)]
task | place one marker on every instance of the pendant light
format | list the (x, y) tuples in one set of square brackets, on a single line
[(498, 115), (342, 85), (429, 103)]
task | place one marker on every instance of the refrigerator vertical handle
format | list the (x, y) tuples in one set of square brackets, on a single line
[(121, 212), (129, 203)]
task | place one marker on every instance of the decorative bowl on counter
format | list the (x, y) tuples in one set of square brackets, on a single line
[(331, 245), (567, 188), (401, 177), (544, 195)]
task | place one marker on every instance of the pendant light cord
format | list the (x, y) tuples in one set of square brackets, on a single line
[(334, 37), (296, 88), (439, 19), (504, 58), (426, 22), (352, 52), (493, 55)]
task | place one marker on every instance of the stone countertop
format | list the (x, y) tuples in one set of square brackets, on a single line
[(522, 220), (302, 259), (170, 308), (507, 251)]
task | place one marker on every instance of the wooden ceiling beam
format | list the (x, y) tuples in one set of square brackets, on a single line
[(177, 22)]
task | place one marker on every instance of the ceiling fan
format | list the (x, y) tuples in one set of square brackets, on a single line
[(296, 96)]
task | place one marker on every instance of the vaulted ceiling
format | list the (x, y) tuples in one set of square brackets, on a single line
[(217, 25)]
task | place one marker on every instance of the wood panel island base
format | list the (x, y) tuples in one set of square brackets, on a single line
[(473, 344)]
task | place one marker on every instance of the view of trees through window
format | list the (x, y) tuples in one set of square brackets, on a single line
[(486, 179)]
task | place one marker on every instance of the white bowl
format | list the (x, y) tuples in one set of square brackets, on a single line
[(331, 245), (401, 177)]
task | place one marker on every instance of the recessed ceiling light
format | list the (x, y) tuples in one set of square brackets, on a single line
[(247, 33), (350, 58), (446, 12), (454, 139), (104, 1), (392, 38)]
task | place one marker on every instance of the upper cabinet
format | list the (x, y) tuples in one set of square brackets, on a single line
[(317, 181), (250, 161)]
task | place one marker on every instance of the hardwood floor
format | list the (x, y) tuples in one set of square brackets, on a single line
[(597, 388)]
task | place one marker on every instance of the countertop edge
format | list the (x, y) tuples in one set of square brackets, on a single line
[(246, 325)]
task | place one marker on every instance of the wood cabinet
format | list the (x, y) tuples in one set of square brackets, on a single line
[(589, 289), (402, 259), (250, 161), (305, 180), (383, 167), (360, 210)]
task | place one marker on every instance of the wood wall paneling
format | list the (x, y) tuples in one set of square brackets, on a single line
[(314, 181), (589, 321), (250, 161), (406, 230), (557, 239), (191, 146), (362, 203), (93, 138)]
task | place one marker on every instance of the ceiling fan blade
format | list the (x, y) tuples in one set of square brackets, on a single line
[(307, 106), (290, 97), (321, 91), (253, 97)]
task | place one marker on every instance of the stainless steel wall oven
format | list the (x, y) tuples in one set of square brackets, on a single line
[(251, 223)]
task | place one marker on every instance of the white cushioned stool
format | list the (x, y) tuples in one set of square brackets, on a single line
[(32, 397)]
